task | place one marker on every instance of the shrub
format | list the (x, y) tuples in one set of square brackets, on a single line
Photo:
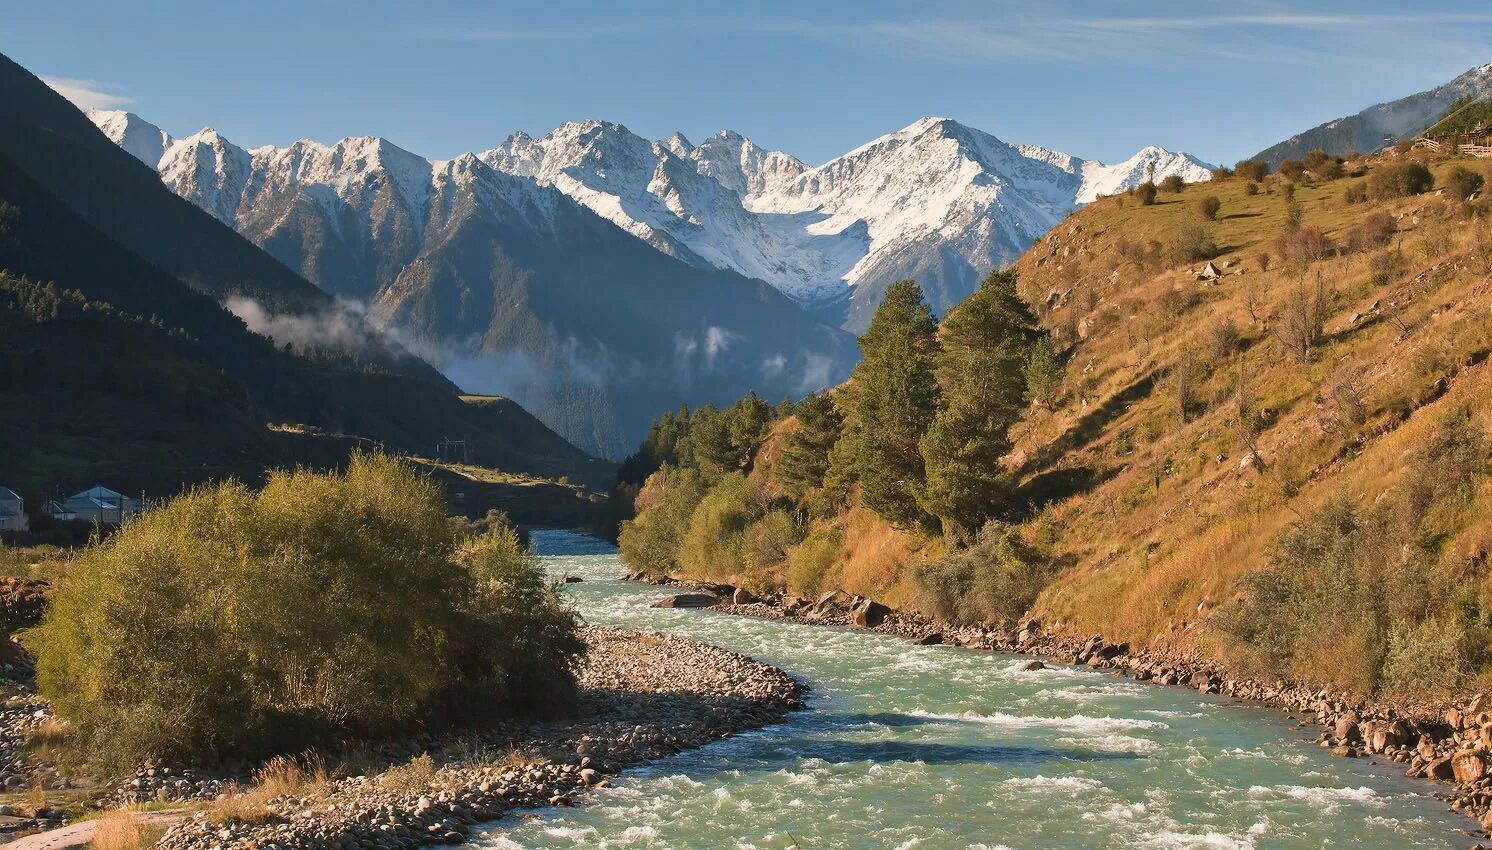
[(1146, 193), (1399, 180), (1386, 267), (811, 564), (713, 545), (1292, 170), (1425, 660), (1222, 172), (1225, 338), (1374, 231), (1288, 190), (1356, 193), (1252, 170), (228, 621), (1193, 242), (994, 580), (1208, 207), (1173, 184), (1323, 165), (1300, 246), (1300, 322), (1251, 188), (768, 541), (650, 543), (1461, 183)]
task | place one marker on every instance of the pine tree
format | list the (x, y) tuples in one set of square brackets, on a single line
[(710, 442), (750, 419), (895, 395), (805, 452), (981, 371)]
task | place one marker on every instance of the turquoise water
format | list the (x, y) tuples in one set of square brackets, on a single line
[(906, 746)]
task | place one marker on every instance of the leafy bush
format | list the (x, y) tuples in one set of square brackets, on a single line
[(1299, 247), (1461, 183), (1193, 243), (229, 621), (1363, 599), (1208, 207), (811, 564), (1146, 193), (768, 541), (1356, 193), (1399, 180), (713, 545), (996, 579), (1374, 231), (1251, 188), (1386, 267), (1222, 172), (1173, 184), (650, 543), (1252, 170)]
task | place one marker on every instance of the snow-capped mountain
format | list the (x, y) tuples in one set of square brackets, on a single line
[(937, 201), (507, 284)]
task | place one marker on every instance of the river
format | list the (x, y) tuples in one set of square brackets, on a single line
[(908, 746)]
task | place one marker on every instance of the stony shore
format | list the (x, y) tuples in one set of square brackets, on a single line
[(1451, 744), (642, 696)]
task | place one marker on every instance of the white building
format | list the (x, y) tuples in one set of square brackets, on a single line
[(12, 511), (100, 505)]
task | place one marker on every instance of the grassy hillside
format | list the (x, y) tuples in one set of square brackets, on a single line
[(1284, 466)]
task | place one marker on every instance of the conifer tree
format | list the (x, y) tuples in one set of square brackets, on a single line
[(750, 418), (981, 372), (805, 451), (895, 395)]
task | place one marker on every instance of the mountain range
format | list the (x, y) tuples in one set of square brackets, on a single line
[(1383, 123), (937, 200), (598, 277)]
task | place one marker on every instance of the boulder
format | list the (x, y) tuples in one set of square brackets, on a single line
[(1033, 665), (1441, 769), (867, 613), (1388, 735), (688, 600), (573, 579), (1467, 766), (1347, 729), (832, 600), (930, 639), (742, 596)]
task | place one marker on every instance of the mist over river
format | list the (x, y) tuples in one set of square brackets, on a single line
[(907, 746)]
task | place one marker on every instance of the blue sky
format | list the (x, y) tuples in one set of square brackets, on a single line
[(1097, 79)]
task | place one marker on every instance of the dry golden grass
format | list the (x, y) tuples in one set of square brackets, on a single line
[(305, 776), (124, 829), (412, 777), (1178, 521)]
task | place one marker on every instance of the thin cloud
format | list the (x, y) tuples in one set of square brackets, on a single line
[(87, 94)]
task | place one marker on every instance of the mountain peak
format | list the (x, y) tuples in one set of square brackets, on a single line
[(138, 137)]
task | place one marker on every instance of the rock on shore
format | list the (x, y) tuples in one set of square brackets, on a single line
[(643, 696)]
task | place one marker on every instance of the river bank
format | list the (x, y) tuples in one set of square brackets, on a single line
[(1450, 744), (642, 696)]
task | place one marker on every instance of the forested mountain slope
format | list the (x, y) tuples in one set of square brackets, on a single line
[(1266, 441)]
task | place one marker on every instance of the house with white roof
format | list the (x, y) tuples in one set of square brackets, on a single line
[(97, 505), (12, 511)]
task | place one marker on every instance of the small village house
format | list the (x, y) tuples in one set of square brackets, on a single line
[(96, 505), (12, 511)]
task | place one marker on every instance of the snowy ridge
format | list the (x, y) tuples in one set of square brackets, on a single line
[(937, 199)]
